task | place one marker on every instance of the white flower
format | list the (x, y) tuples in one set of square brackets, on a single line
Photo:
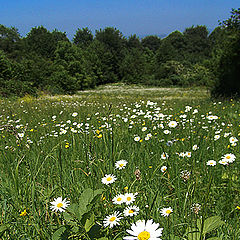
[(182, 154), (129, 198), (144, 129), (164, 156), (131, 211), (211, 163), (216, 137), (112, 220), (233, 140), (166, 211), (74, 114), (163, 168), (172, 124), (166, 132), (119, 199), (229, 157), (21, 135), (137, 139), (195, 147), (143, 230), (108, 179), (121, 164), (188, 108), (188, 154), (223, 162), (211, 117), (59, 204)]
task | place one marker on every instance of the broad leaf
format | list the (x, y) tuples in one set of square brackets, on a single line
[(58, 234), (211, 224)]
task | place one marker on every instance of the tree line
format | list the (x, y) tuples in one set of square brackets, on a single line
[(48, 61)]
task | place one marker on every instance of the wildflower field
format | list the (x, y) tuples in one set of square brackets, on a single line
[(108, 165)]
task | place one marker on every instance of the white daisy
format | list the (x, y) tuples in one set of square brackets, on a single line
[(195, 147), (188, 154), (211, 163), (121, 164), (119, 199), (74, 114), (164, 156), (21, 135), (166, 211), (108, 179), (172, 124), (166, 132), (143, 230), (163, 168), (131, 211), (59, 204), (129, 198), (223, 162), (233, 140), (112, 220), (229, 157), (137, 139)]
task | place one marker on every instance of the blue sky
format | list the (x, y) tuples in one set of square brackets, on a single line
[(140, 17)]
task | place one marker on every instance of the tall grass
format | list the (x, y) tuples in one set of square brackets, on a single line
[(59, 154)]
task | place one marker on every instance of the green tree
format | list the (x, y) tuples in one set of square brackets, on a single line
[(151, 42), (172, 48), (43, 42), (113, 52), (9, 38), (83, 37), (134, 42), (197, 45), (228, 63)]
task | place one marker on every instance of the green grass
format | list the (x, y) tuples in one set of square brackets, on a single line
[(45, 164)]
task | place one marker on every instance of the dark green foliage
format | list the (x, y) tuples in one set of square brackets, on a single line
[(48, 61), (151, 42), (171, 48), (42, 42), (133, 42), (83, 37), (228, 59), (13, 78), (197, 43), (8, 38)]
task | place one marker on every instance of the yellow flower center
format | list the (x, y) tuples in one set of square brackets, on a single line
[(131, 211), (112, 219), (144, 235), (121, 165), (168, 211), (119, 199), (59, 205), (129, 198), (109, 179), (228, 157)]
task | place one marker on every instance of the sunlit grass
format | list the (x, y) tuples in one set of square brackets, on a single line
[(61, 146)]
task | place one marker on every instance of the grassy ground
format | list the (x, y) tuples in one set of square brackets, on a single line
[(64, 146)]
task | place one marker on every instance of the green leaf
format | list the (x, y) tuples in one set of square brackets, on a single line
[(193, 233), (89, 223), (103, 238), (211, 224), (57, 235), (88, 195)]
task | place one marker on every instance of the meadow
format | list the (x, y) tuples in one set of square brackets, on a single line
[(120, 163)]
